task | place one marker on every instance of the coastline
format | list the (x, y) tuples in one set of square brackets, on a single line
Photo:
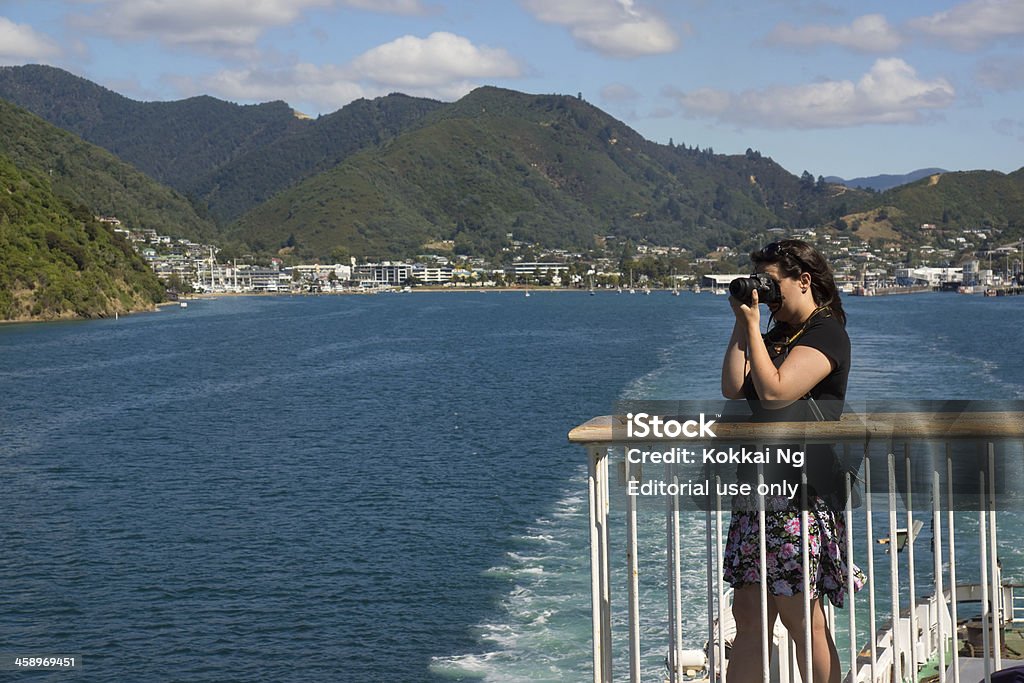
[(421, 289)]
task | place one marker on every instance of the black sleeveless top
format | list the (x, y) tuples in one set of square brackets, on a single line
[(826, 333)]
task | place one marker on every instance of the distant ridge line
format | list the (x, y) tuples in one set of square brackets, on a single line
[(885, 181)]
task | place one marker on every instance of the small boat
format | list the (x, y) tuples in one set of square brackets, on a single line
[(182, 304)]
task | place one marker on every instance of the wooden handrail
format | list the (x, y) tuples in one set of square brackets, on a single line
[(852, 427)]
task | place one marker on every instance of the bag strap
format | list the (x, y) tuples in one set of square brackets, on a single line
[(815, 410)]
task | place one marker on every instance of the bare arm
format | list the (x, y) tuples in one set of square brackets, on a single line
[(777, 387), (734, 365), (803, 368)]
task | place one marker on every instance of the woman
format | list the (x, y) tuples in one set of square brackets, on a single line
[(806, 353)]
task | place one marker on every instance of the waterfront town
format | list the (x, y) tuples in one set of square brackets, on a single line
[(970, 261)]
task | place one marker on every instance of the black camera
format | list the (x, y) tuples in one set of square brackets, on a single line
[(767, 288)]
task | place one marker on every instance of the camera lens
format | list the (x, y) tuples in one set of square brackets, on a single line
[(741, 288)]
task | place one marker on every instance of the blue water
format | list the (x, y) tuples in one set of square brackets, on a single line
[(365, 488)]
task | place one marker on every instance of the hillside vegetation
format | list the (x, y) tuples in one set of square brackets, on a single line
[(550, 169), (255, 176), (386, 177), (57, 261), (968, 198), (175, 143), (84, 174), (227, 158)]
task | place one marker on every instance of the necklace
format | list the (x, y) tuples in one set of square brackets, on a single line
[(779, 347)]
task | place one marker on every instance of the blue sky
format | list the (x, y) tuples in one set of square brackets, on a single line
[(846, 89)]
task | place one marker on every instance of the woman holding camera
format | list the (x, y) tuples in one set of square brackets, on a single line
[(797, 371)]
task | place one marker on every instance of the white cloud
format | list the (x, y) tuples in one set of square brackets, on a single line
[(220, 25), (214, 24), (617, 28), (975, 23), (441, 66), (410, 7), (891, 92), (20, 43), (436, 60), (329, 87), (869, 33)]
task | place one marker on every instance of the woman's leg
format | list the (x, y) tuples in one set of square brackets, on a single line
[(745, 665), (824, 657)]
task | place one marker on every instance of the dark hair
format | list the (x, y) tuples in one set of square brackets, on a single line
[(793, 257)]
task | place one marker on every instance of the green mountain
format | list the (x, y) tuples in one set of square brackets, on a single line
[(951, 202), (175, 143), (255, 176), (963, 198), (226, 157), (550, 169), (57, 261), (385, 177), (84, 174)]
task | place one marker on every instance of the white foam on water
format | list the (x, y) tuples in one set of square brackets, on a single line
[(541, 630)]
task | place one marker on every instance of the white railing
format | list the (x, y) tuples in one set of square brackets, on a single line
[(920, 631)]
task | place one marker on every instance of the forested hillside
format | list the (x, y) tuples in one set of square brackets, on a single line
[(227, 158), (386, 177), (57, 261), (84, 174), (550, 169), (175, 143), (255, 176)]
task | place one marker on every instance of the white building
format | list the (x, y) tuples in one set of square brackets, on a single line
[(932, 277), (319, 271), (432, 274), (542, 267), (720, 281), (386, 273)]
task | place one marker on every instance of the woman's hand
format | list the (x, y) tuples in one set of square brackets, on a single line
[(735, 366), (748, 315)]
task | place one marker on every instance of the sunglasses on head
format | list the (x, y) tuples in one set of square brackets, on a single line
[(776, 249)]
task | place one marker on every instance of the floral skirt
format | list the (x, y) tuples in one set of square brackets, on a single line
[(826, 550)]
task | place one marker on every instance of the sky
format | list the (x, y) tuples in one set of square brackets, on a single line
[(828, 87)]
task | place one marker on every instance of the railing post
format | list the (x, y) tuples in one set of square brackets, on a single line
[(940, 596), (763, 559), (600, 589), (633, 564), (719, 659), (911, 565), (985, 619), (675, 601), (894, 572), (710, 578), (997, 593), (952, 562), (805, 552), (869, 530), (848, 519)]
